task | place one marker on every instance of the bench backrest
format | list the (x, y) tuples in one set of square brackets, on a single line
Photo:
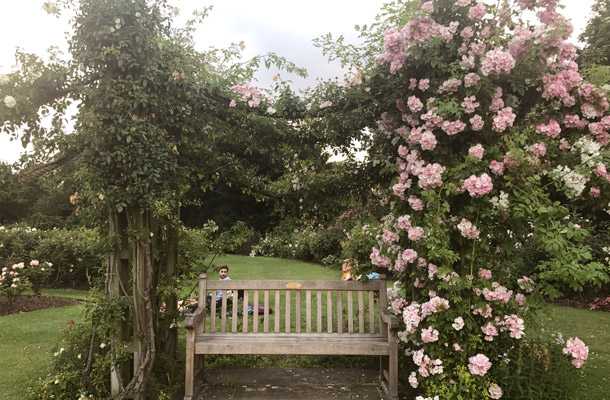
[(292, 307)]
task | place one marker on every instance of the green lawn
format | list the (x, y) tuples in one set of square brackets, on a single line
[(26, 339), (593, 327)]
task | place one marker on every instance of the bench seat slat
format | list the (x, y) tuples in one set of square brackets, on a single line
[(301, 345), (293, 285)]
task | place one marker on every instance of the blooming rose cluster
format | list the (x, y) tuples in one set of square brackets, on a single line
[(446, 129), (576, 349), (249, 94)]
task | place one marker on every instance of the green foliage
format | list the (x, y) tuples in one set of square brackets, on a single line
[(539, 370), (197, 248), (596, 35), (69, 257), (237, 239)]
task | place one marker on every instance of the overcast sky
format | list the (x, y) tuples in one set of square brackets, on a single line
[(286, 27)]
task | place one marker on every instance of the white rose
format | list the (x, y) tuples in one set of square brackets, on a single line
[(10, 101)]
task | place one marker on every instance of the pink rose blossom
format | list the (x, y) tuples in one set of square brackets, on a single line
[(424, 84), (415, 233), (427, 140), (476, 151), (538, 149), (520, 299), (497, 61), (496, 167), (504, 119), (471, 79), (479, 365), (477, 11), (470, 104), (478, 186), (378, 259), (485, 274), (453, 127), (490, 331), (477, 123), (409, 255), (595, 192), (550, 129), (495, 391), (389, 237), (577, 349), (429, 335), (515, 326), (415, 104), (450, 85), (467, 229), (403, 222), (430, 176)]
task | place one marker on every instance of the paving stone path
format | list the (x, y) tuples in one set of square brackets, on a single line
[(290, 384)]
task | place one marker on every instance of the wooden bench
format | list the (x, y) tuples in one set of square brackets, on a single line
[(340, 318)]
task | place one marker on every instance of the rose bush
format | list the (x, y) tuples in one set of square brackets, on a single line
[(494, 135)]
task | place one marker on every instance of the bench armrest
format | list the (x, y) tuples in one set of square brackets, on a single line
[(194, 319), (389, 319)]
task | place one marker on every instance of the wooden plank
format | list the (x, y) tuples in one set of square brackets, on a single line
[(292, 345), (203, 297), (297, 313), (350, 312), (383, 303), (308, 311), (334, 336), (234, 312), (277, 312), (213, 312), (255, 320), (266, 314), (361, 312), (371, 312), (245, 313), (319, 305), (287, 327), (292, 285), (339, 312), (223, 311), (329, 311)]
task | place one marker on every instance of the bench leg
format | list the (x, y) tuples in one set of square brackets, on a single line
[(189, 383), (389, 377)]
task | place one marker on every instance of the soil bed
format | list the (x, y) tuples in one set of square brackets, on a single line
[(31, 303)]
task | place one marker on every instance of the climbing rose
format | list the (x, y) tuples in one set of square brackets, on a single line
[(485, 274), (415, 104), (470, 104), (515, 325), (415, 233), (429, 335), (577, 349), (495, 391), (477, 123), (477, 12), (453, 127), (497, 61), (471, 79), (427, 140), (497, 167), (504, 119), (467, 229), (409, 255), (478, 186), (430, 176), (538, 149), (479, 364), (550, 129), (489, 330), (476, 151), (424, 84), (458, 323)]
